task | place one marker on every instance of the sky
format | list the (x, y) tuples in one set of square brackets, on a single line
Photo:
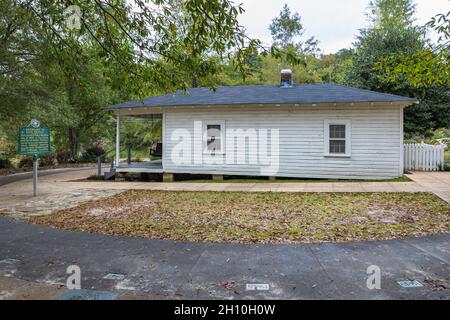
[(335, 23)]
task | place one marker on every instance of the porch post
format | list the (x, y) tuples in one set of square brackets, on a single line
[(117, 140)]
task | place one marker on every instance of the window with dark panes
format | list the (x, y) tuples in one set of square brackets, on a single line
[(337, 138), (213, 138)]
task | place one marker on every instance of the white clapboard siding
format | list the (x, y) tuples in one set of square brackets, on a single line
[(424, 157), (376, 141)]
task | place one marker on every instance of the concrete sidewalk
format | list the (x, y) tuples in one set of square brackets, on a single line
[(436, 182), (34, 261)]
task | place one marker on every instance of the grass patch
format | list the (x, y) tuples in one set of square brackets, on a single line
[(257, 217)]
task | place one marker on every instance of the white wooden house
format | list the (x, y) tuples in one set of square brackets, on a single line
[(286, 130)]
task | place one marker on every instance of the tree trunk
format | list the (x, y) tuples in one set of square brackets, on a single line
[(73, 142), (194, 82)]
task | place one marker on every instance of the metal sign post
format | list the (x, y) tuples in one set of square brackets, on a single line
[(35, 176), (34, 141)]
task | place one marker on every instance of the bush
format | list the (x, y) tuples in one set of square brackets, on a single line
[(430, 137), (44, 161), (64, 156), (426, 141), (7, 148), (441, 133), (26, 162), (91, 154), (47, 160), (5, 164)]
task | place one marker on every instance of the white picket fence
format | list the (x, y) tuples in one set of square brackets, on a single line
[(424, 157)]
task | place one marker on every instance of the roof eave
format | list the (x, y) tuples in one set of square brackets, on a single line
[(158, 109)]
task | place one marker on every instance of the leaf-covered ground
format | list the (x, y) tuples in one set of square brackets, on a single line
[(257, 217)]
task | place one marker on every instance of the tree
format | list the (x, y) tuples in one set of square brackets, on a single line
[(287, 31), (391, 14), (427, 67), (146, 36), (393, 35), (37, 82), (333, 67), (374, 45), (63, 61), (140, 134)]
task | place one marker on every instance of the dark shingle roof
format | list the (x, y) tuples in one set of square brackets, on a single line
[(264, 94)]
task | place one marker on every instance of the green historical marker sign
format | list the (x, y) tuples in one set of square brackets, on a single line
[(34, 140)]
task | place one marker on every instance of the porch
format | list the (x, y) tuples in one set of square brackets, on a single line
[(153, 166), (145, 163)]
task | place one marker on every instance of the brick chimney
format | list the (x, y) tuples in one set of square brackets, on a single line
[(286, 79)]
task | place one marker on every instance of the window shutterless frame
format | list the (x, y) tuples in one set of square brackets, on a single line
[(335, 139), (214, 137)]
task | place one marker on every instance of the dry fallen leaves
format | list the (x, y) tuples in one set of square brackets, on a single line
[(251, 217)]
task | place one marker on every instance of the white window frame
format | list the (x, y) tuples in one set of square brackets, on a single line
[(348, 137), (207, 123)]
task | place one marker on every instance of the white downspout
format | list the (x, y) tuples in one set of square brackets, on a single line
[(163, 139), (402, 151)]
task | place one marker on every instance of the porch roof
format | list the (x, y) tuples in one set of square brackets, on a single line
[(265, 94)]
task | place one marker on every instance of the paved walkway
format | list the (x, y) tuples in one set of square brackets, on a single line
[(64, 190), (55, 192), (436, 182), (29, 175), (34, 261)]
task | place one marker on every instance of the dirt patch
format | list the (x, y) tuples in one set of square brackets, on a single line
[(389, 214), (258, 217), (120, 210)]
